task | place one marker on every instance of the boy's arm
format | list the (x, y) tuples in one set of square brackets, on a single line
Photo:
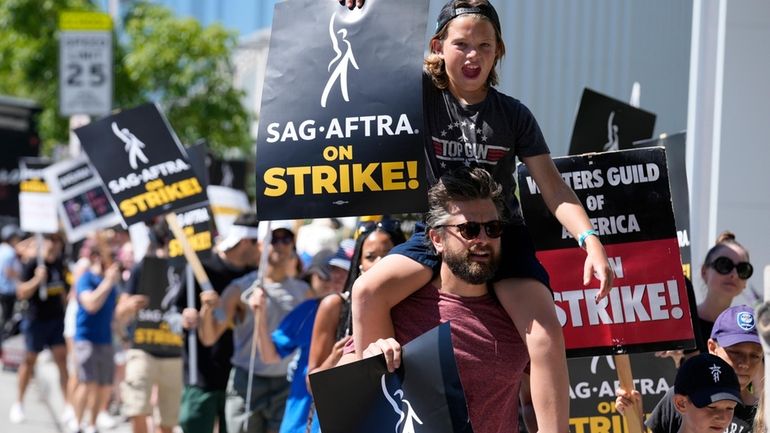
[(535, 318), (566, 207), (381, 288)]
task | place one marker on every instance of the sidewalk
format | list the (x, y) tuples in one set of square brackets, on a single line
[(43, 403)]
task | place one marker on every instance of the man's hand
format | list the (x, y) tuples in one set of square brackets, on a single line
[(41, 274), (598, 265), (257, 299), (388, 347), (112, 274), (190, 318), (136, 302), (350, 4)]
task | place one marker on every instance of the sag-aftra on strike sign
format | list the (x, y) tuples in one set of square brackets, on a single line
[(340, 129), (142, 163)]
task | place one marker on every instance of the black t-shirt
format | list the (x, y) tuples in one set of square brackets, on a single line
[(490, 135), (213, 362), (665, 419), (52, 308)]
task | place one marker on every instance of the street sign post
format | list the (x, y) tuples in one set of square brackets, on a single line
[(85, 63)]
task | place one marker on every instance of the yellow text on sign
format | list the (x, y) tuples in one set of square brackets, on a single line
[(342, 178)]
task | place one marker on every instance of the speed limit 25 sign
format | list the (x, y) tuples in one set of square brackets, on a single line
[(85, 63)]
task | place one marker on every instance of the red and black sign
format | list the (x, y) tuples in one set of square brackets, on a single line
[(627, 197), (142, 163), (340, 129), (605, 124), (675, 145)]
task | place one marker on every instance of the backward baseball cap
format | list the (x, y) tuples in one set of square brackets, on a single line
[(735, 325)]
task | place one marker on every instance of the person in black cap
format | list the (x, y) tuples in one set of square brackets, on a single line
[(735, 340), (469, 123), (705, 394)]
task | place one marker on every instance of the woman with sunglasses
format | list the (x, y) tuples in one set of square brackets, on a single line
[(332, 327), (725, 271)]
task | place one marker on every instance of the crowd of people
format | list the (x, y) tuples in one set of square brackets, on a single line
[(236, 357)]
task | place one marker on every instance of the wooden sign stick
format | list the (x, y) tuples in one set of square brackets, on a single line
[(193, 263), (189, 252), (623, 367)]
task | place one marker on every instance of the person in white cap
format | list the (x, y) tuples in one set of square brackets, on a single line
[(226, 311), (203, 402)]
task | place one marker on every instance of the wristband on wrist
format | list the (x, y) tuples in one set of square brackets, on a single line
[(583, 236)]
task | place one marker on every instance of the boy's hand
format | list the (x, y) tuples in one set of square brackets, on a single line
[(352, 3), (598, 265), (388, 347), (625, 401), (257, 299), (209, 298)]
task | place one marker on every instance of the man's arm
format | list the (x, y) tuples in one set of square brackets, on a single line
[(209, 328), (535, 318), (267, 350), (25, 289), (93, 300)]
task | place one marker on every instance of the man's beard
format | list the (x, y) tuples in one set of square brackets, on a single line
[(472, 272)]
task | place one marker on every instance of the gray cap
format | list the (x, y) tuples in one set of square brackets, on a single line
[(10, 231)]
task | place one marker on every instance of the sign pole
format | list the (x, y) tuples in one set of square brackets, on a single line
[(623, 366), (244, 298), (192, 345), (196, 268), (42, 291)]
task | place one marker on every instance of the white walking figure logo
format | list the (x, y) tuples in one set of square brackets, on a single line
[(715, 372), (174, 286), (407, 418), (341, 70), (133, 145), (227, 175), (613, 141)]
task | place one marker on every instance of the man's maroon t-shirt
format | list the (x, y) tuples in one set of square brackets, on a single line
[(490, 354)]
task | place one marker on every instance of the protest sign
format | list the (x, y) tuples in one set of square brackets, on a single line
[(426, 390), (593, 381), (603, 124), (162, 284), (142, 163), (226, 205), (81, 199), (341, 117), (37, 206), (196, 223), (675, 145), (626, 195)]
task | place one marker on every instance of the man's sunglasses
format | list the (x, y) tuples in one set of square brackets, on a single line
[(471, 229), (724, 266)]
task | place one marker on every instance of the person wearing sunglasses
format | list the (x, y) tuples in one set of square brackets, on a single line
[(465, 231)]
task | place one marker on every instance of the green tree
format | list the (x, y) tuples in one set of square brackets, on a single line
[(173, 61)]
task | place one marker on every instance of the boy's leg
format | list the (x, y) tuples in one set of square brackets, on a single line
[(386, 284), (530, 305)]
